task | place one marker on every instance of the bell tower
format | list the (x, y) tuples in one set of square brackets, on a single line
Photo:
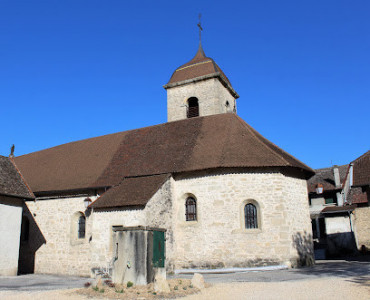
[(199, 88)]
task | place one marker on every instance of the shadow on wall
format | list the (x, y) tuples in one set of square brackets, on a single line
[(31, 240), (341, 244), (304, 245)]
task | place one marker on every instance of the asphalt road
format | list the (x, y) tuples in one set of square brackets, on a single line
[(358, 271), (355, 271), (38, 282)]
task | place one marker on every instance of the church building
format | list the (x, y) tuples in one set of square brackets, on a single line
[(224, 195)]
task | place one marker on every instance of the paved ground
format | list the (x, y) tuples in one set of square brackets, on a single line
[(353, 271), (356, 271), (37, 282)]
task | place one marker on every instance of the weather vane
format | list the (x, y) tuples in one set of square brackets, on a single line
[(200, 28)]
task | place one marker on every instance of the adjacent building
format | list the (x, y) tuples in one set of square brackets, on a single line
[(339, 208), (13, 192)]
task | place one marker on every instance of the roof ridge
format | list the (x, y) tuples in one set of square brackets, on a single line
[(253, 132), (362, 156)]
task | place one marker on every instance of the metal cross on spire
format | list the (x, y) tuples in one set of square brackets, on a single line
[(200, 29)]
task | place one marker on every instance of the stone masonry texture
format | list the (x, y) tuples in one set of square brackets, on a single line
[(212, 97), (217, 239)]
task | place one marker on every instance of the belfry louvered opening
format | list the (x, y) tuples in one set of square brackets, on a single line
[(193, 107)]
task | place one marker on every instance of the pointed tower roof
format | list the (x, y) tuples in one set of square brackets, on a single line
[(199, 68)]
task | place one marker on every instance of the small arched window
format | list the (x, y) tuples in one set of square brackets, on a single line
[(191, 209), (81, 227), (250, 215), (193, 107)]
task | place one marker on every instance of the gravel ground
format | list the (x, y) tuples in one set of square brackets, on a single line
[(317, 288), (329, 288), (326, 280)]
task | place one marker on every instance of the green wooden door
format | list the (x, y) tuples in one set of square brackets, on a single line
[(158, 249)]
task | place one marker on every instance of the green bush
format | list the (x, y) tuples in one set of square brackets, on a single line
[(130, 284)]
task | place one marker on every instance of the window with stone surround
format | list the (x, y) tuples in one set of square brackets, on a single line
[(193, 107), (191, 209), (78, 228), (81, 227), (250, 216)]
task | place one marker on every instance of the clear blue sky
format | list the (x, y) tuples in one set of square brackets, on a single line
[(71, 70)]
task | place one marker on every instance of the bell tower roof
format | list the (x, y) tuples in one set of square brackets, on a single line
[(200, 67)]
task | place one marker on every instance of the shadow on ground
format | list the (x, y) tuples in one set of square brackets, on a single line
[(354, 269)]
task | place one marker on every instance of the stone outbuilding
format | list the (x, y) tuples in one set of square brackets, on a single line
[(13, 192), (225, 195)]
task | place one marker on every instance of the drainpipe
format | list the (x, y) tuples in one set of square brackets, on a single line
[(338, 185)]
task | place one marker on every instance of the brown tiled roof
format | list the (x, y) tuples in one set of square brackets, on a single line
[(199, 67), (337, 209), (359, 195), (200, 143), (325, 176), (11, 182), (135, 191), (361, 170)]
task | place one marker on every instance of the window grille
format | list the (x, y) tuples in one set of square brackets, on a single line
[(250, 213), (191, 209), (81, 227)]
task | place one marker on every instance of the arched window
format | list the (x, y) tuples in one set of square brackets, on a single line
[(81, 227), (191, 209), (193, 107), (250, 215)]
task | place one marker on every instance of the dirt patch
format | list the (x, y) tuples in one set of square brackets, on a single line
[(178, 288)]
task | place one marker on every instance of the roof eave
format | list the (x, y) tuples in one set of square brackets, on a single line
[(18, 196), (205, 77)]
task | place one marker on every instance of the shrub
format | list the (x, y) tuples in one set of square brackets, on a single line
[(95, 288), (87, 284), (101, 290), (130, 284), (109, 283), (175, 287)]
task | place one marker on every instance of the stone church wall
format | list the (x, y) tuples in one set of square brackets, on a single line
[(62, 252), (155, 214), (219, 239), (211, 94)]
